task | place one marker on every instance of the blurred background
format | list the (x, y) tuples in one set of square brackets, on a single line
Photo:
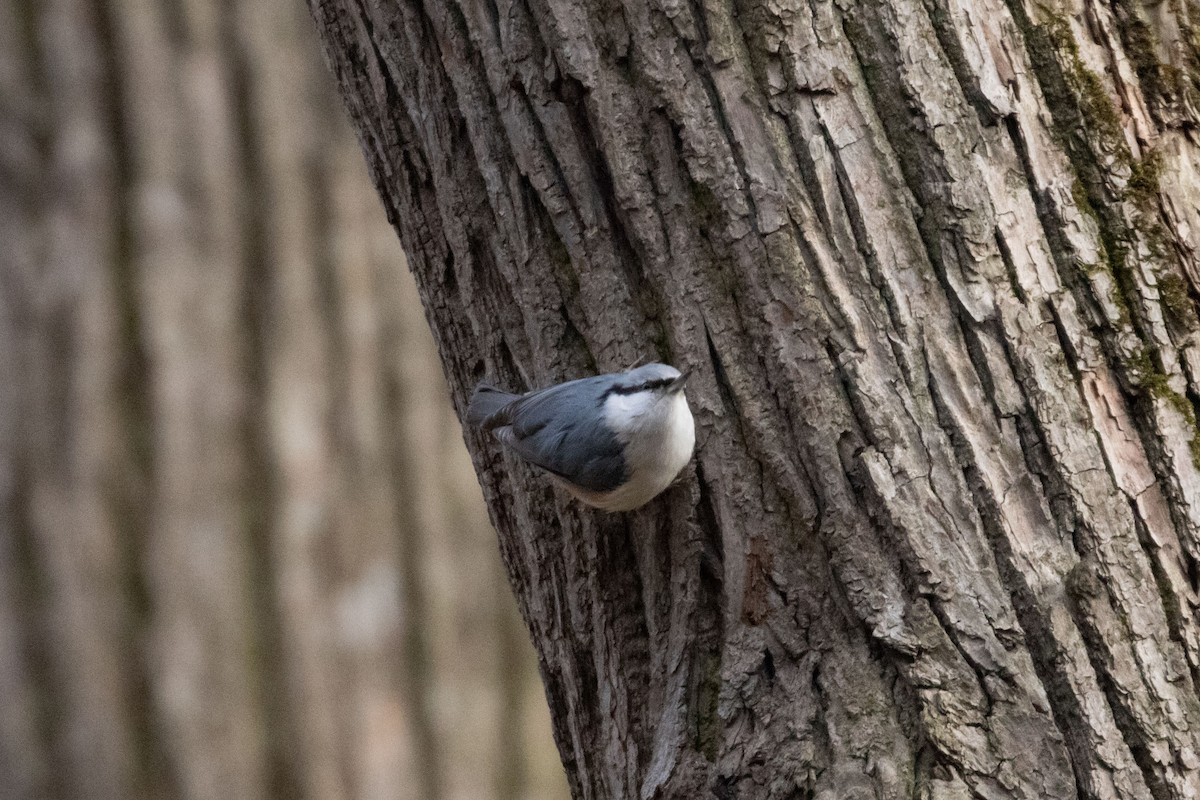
[(242, 551)]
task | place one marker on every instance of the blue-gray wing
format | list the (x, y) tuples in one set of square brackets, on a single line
[(559, 429)]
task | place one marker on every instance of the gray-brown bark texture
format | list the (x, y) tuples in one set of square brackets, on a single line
[(934, 263)]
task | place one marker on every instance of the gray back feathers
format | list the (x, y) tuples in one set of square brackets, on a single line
[(560, 429)]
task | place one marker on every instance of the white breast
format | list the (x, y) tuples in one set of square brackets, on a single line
[(659, 434)]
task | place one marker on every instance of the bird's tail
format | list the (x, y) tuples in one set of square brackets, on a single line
[(485, 402)]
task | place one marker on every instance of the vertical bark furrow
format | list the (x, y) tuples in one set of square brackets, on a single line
[(260, 496), (69, 345), (1142, 581), (1033, 564), (297, 392), (1101, 519), (26, 741), (957, 289), (1135, 231), (130, 489)]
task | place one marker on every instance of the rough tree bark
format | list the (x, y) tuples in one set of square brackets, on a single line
[(934, 263), (233, 499)]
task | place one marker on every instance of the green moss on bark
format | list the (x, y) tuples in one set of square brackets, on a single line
[(1079, 103), (1177, 302), (1157, 386), (1166, 87), (1088, 126), (708, 721)]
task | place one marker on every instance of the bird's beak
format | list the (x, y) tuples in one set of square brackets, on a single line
[(677, 384)]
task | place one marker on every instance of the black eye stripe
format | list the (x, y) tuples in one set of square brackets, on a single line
[(657, 383)]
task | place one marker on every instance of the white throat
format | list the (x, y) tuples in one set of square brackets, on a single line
[(658, 434)]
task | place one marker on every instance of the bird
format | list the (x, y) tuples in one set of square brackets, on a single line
[(614, 441)]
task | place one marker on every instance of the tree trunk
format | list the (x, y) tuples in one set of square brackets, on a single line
[(935, 267), (242, 554)]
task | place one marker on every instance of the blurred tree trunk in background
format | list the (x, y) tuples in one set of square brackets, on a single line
[(242, 552), (934, 264)]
